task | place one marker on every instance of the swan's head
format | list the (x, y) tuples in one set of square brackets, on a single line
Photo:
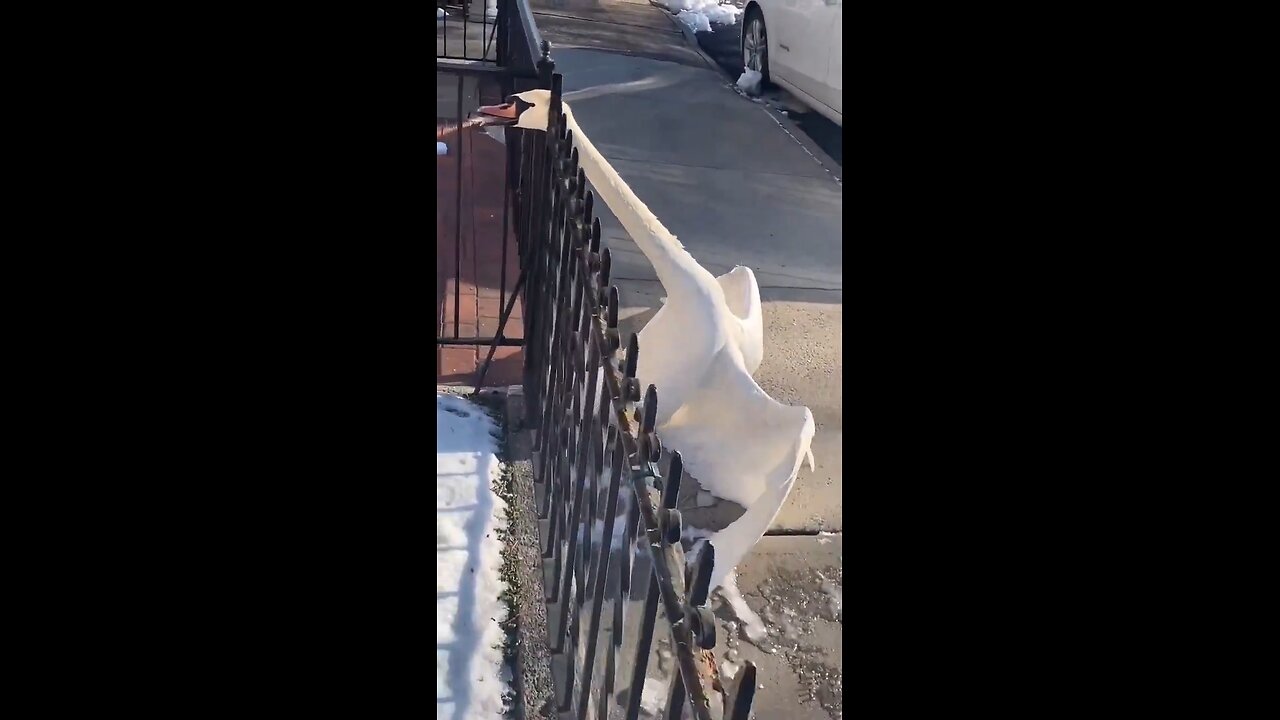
[(529, 109)]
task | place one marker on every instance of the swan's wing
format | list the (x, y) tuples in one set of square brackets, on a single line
[(741, 445), (678, 343), (742, 297), (735, 439)]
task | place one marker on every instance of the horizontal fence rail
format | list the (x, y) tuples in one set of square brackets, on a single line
[(610, 531)]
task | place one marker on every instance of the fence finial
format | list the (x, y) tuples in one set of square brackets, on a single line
[(546, 50)]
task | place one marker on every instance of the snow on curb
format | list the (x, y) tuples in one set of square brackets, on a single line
[(697, 15), (749, 81), (471, 675)]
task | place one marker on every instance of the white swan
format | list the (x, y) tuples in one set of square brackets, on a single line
[(700, 350)]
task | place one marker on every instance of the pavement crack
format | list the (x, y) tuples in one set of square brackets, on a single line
[(834, 176), (762, 287)]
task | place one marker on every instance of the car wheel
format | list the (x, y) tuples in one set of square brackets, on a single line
[(755, 45)]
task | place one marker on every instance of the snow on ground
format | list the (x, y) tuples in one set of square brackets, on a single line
[(749, 81), (470, 674), (697, 22), (697, 15)]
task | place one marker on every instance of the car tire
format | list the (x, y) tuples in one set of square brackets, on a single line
[(754, 31)]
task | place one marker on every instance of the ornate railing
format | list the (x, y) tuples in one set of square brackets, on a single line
[(479, 62), (610, 532), (501, 32)]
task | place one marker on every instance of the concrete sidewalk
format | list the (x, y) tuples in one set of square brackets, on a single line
[(737, 189), (796, 586)]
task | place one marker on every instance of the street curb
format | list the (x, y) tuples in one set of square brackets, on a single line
[(532, 681), (784, 121), (832, 167), (692, 38)]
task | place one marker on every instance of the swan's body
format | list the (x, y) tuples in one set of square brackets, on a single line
[(700, 350)]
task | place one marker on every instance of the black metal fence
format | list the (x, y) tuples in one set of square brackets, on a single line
[(610, 531), (508, 38), (472, 32), (477, 184), (479, 61)]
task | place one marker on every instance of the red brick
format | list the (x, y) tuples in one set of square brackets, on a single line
[(488, 307), (467, 310), (464, 330), (489, 250), (506, 368), (469, 251), (489, 276), (486, 291), (465, 287), (513, 329), (466, 315), (455, 364)]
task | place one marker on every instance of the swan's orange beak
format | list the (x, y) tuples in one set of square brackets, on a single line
[(507, 113)]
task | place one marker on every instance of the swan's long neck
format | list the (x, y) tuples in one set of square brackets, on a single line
[(675, 267)]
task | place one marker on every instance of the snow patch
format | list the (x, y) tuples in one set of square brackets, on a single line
[(696, 22), (653, 698), (835, 598), (441, 149), (469, 665), (697, 15), (749, 81)]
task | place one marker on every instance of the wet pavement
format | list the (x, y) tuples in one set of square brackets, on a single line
[(796, 586)]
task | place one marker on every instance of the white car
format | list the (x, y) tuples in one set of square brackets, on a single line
[(796, 44)]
